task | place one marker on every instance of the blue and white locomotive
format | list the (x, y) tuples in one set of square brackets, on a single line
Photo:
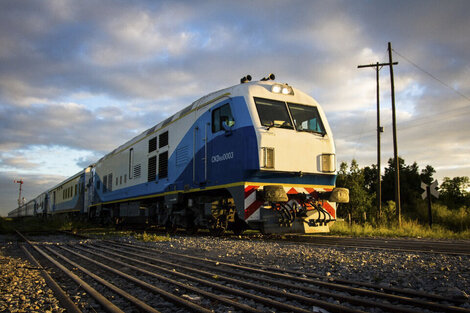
[(257, 155)]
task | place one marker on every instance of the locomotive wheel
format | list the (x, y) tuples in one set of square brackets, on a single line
[(237, 231), (217, 232), (216, 228), (238, 226), (170, 228), (191, 229)]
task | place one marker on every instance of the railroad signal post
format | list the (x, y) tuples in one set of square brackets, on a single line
[(429, 190), (19, 192)]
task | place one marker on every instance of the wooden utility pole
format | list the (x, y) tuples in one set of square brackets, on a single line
[(395, 145), (379, 130)]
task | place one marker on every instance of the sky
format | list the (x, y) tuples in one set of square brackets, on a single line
[(79, 78)]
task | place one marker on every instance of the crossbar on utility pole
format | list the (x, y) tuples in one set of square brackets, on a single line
[(379, 130)]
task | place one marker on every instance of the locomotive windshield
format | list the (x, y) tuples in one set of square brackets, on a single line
[(273, 113), (306, 118)]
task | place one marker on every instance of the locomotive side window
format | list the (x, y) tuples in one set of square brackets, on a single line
[(221, 115), (273, 113), (306, 118)]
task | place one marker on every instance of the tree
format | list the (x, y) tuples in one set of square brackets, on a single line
[(360, 201), (453, 192), (426, 174), (410, 184), (370, 178)]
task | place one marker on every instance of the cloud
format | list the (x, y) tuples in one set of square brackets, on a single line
[(32, 187), (87, 76)]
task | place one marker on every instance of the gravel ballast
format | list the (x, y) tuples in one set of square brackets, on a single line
[(23, 289), (447, 275), (436, 273)]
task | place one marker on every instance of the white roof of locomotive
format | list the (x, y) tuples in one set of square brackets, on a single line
[(240, 89)]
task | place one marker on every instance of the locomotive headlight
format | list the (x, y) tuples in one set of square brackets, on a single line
[(276, 88), (267, 157), (283, 89), (328, 163)]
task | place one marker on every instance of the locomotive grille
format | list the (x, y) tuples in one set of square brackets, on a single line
[(163, 165), (152, 144), (137, 171), (163, 139), (110, 182), (152, 168)]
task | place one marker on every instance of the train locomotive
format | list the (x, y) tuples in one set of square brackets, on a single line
[(257, 155)]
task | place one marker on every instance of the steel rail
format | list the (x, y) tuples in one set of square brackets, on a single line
[(105, 303), (63, 298), (344, 281), (271, 291), (137, 302), (391, 297), (341, 297), (410, 292), (268, 301), (345, 298), (436, 247), (155, 289)]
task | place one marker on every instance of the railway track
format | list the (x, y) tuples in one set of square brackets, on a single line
[(461, 247), (418, 245), (129, 277)]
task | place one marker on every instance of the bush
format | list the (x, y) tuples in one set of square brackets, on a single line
[(454, 220), (410, 228)]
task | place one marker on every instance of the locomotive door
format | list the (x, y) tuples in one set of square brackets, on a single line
[(212, 142), (201, 159), (220, 143)]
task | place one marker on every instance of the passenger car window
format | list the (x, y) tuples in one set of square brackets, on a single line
[(273, 113), (221, 115)]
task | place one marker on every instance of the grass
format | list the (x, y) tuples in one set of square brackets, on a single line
[(409, 228), (145, 237), (111, 233)]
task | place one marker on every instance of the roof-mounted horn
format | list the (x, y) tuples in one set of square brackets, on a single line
[(245, 79), (269, 77)]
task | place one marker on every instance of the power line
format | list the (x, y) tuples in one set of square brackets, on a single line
[(426, 119), (432, 76)]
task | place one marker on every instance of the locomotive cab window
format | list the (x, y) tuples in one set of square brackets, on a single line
[(222, 118), (273, 113), (306, 118)]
